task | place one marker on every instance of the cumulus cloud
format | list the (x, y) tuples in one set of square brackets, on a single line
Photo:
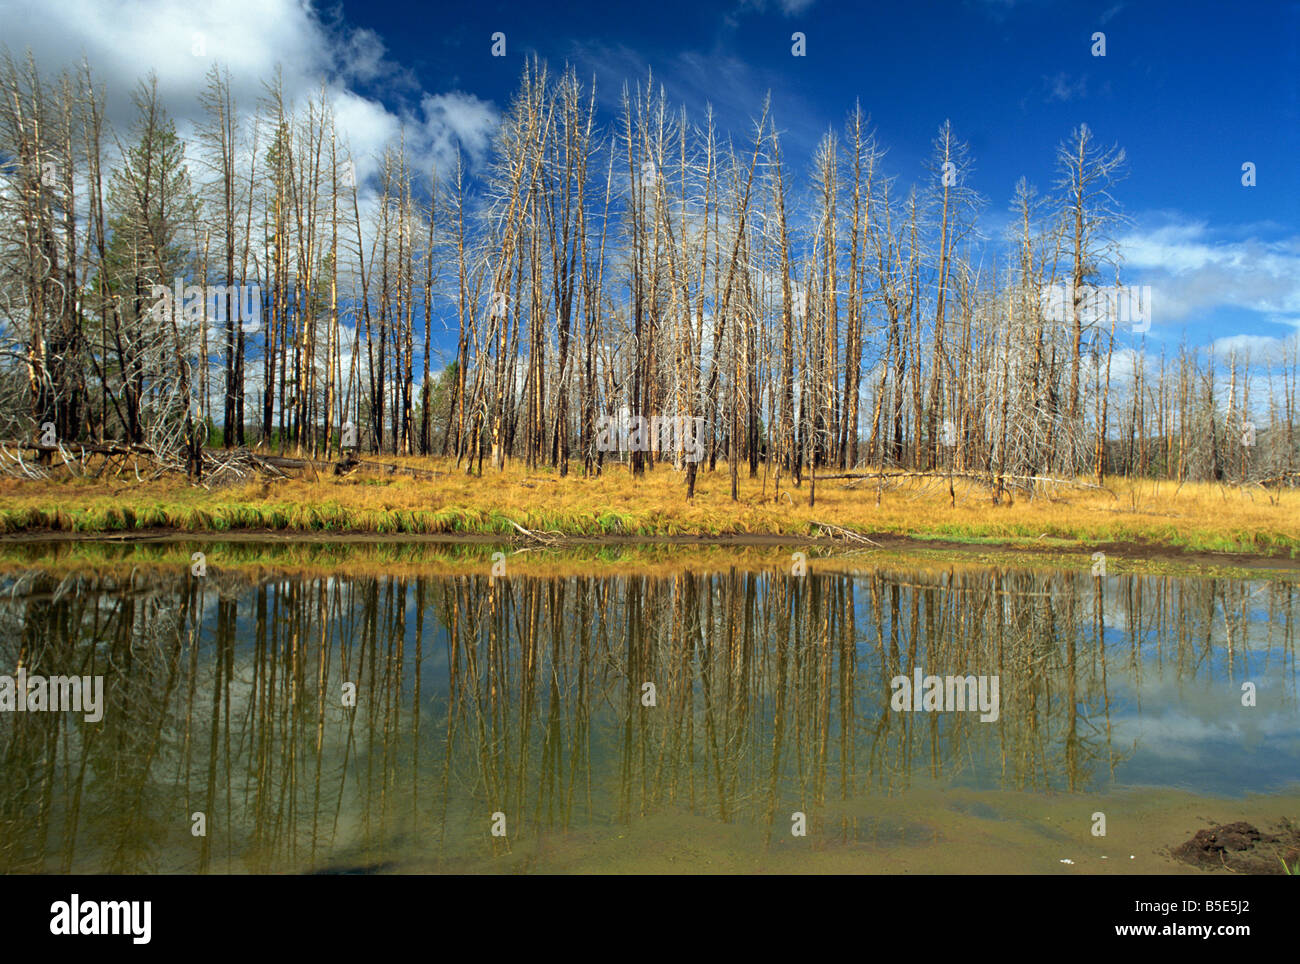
[(1254, 347), (1193, 271), (458, 119), (313, 52)]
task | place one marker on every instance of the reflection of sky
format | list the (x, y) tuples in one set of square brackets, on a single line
[(1195, 734), (1185, 725), (1189, 732)]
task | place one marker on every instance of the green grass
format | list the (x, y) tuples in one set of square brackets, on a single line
[(331, 516)]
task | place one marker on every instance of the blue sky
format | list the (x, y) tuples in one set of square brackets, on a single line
[(1191, 90)]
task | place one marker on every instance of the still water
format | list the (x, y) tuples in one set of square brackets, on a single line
[(672, 719)]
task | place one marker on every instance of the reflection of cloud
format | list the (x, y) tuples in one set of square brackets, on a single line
[(1181, 717), (1177, 735)]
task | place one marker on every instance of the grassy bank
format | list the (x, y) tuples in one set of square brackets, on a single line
[(1191, 517)]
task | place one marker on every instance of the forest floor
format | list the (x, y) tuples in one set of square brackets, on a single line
[(536, 506)]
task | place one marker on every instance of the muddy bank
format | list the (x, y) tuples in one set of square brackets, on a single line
[(1243, 848)]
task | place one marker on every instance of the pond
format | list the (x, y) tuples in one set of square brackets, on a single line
[(754, 716)]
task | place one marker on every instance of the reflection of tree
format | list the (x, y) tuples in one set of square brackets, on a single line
[(525, 696)]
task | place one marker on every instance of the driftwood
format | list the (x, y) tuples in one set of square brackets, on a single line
[(546, 537), (393, 467), (847, 535)]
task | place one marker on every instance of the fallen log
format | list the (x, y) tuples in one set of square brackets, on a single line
[(989, 480)]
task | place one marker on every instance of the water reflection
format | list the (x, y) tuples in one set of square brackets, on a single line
[(226, 696)]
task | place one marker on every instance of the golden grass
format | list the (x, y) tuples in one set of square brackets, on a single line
[(1194, 516)]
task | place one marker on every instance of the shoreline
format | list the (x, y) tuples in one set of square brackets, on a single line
[(1193, 524), (736, 548)]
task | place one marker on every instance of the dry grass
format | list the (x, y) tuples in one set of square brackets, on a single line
[(1203, 517)]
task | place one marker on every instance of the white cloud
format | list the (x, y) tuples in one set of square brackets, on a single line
[(1109, 14), (458, 118), (791, 8), (1191, 272), (124, 39), (1255, 347), (363, 56), (1061, 87)]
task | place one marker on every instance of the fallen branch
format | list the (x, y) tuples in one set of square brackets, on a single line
[(548, 537), (988, 479), (848, 535)]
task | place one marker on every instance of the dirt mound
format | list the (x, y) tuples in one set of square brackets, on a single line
[(1242, 848)]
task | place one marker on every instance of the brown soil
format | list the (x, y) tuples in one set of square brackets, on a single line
[(1243, 848)]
